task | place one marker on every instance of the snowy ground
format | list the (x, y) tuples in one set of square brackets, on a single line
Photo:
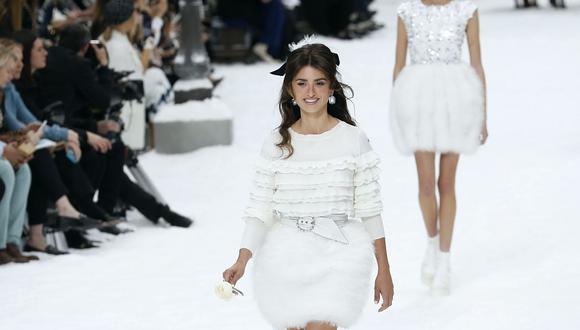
[(515, 253)]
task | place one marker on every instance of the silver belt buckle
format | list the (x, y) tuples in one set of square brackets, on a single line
[(305, 223)]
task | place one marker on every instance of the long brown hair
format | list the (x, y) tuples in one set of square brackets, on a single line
[(321, 58)]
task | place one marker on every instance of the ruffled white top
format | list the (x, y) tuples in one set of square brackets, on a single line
[(335, 172)]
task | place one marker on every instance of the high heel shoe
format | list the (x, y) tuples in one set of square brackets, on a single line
[(66, 223)]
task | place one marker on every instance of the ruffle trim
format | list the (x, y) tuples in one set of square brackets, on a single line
[(367, 160)]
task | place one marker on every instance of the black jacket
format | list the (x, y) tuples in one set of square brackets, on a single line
[(85, 93)]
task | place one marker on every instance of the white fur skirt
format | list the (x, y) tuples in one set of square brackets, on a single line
[(300, 277), (437, 107)]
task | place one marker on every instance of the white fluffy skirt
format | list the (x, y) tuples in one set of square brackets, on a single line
[(300, 277), (437, 107)]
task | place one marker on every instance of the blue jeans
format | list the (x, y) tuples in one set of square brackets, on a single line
[(13, 203)]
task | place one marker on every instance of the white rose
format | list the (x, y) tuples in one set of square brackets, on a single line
[(224, 290)]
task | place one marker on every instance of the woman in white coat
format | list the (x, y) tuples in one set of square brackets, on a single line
[(122, 18)]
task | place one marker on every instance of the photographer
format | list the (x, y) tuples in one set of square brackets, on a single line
[(87, 107)]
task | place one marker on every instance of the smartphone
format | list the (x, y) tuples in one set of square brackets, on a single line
[(96, 43)]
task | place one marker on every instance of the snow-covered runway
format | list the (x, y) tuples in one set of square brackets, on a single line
[(515, 257)]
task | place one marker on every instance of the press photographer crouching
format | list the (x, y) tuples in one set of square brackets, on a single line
[(86, 95)]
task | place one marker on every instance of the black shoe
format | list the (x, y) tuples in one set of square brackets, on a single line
[(48, 250), (113, 220), (114, 230), (77, 240), (68, 223), (175, 219)]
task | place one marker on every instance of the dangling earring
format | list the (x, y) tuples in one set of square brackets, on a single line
[(294, 102), (331, 99)]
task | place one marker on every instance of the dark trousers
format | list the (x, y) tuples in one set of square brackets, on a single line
[(46, 185), (328, 17), (273, 26), (104, 172), (79, 185), (107, 171)]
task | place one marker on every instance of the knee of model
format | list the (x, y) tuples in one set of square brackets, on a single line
[(446, 187), (427, 190)]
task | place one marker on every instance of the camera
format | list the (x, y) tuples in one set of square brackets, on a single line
[(122, 91)]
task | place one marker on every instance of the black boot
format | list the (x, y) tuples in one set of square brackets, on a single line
[(174, 219)]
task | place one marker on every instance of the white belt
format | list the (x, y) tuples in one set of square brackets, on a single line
[(329, 227)]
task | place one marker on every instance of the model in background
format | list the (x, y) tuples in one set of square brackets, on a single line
[(438, 107)]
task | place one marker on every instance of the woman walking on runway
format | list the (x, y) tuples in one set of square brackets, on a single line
[(315, 209), (438, 106)]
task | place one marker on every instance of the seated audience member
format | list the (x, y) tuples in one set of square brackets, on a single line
[(122, 19), (66, 66), (46, 178), (15, 176)]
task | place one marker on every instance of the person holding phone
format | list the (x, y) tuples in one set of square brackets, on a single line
[(15, 175)]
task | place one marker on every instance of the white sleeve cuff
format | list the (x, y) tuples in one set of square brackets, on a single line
[(254, 234), (374, 226)]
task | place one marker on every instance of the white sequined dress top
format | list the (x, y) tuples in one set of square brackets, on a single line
[(435, 32), (437, 100)]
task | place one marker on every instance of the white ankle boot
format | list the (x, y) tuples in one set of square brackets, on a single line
[(429, 260), (441, 279)]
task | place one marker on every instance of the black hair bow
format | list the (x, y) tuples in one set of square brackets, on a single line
[(281, 71)]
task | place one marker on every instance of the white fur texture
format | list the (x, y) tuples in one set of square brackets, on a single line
[(438, 108), (307, 40), (300, 277)]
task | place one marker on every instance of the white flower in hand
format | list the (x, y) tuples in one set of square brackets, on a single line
[(224, 290)]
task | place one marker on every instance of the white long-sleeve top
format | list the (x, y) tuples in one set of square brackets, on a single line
[(335, 172)]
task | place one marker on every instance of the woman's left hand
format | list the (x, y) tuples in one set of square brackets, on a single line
[(34, 136), (483, 134), (384, 288)]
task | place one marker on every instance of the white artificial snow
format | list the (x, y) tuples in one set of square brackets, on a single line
[(208, 109), (187, 85), (514, 256)]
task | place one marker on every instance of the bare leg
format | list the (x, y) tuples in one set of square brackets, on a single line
[(446, 185), (427, 199), (65, 208), (36, 237), (319, 326)]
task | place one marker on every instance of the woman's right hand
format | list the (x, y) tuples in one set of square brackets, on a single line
[(236, 271), (15, 156), (98, 143)]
